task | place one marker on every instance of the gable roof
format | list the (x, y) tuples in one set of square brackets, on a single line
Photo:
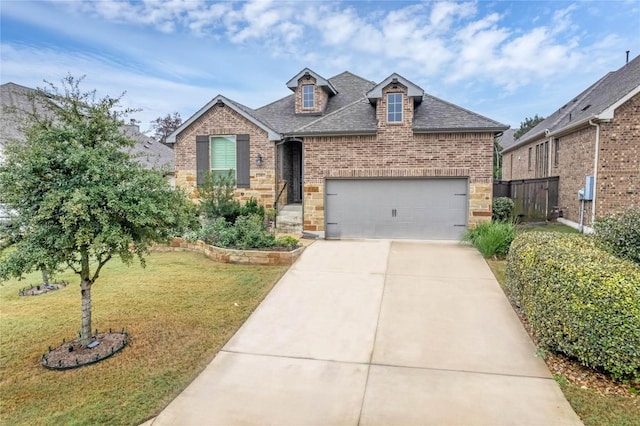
[(244, 111), (320, 81), (506, 140), (597, 102), (16, 101), (435, 115), (350, 111), (280, 113), (147, 151), (413, 90)]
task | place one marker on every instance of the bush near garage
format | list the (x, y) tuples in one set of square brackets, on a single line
[(621, 234), (579, 299), (491, 239), (502, 209)]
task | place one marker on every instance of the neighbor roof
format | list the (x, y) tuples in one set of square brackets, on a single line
[(16, 103), (598, 101)]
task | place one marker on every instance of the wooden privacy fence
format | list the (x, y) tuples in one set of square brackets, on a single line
[(533, 199)]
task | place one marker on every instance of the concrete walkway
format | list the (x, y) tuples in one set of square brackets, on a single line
[(378, 333)]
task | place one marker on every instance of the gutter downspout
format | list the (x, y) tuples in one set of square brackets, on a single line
[(595, 172)]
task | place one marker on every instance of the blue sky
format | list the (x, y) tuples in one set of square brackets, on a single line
[(504, 59)]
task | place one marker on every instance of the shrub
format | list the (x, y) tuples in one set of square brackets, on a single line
[(502, 209), (251, 233), (287, 242), (216, 194), (492, 239), (252, 207), (621, 234), (579, 299)]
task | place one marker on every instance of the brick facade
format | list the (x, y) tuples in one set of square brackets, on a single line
[(394, 151), (222, 120), (399, 154), (320, 97), (618, 184)]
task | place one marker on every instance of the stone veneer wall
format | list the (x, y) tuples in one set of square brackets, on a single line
[(251, 257), (225, 121)]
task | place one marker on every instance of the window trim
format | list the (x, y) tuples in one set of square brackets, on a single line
[(556, 152), (235, 155), (311, 94), (530, 155), (397, 104)]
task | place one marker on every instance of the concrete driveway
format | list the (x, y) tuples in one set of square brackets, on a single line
[(378, 333)]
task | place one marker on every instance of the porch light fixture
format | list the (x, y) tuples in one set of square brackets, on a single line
[(259, 160)]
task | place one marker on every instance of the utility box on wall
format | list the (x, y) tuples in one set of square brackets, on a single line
[(588, 188)]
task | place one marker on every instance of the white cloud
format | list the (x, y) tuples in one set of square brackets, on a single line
[(463, 50)]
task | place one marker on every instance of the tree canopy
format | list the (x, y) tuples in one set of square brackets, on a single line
[(164, 126), (526, 125), (78, 198)]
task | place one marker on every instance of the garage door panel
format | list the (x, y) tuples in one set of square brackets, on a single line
[(396, 208)]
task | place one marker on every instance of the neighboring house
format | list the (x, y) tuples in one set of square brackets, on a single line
[(503, 141), (360, 159), (16, 100), (597, 134)]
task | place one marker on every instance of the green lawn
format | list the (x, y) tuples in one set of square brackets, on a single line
[(179, 312), (594, 409)]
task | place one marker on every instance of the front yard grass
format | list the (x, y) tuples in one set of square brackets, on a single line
[(593, 408), (179, 311)]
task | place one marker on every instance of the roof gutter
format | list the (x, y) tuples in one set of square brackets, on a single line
[(335, 133), (548, 134), (497, 130)]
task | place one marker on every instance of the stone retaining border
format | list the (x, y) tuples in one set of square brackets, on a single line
[(226, 255)]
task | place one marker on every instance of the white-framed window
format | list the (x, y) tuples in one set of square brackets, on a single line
[(223, 155), (394, 107), (308, 91)]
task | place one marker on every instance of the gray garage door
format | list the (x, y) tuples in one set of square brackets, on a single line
[(396, 208)]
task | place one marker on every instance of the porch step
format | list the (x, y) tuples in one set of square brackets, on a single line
[(289, 220)]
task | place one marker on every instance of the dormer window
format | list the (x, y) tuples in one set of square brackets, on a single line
[(308, 91), (394, 108)]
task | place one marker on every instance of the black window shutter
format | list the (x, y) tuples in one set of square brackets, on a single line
[(202, 158), (243, 162)]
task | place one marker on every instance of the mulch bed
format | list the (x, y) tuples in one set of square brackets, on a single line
[(42, 289), (73, 355)]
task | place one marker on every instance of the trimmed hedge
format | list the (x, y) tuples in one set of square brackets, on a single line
[(620, 234), (579, 299)]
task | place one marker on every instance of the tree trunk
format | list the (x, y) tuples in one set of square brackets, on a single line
[(45, 277), (85, 330), (85, 290)]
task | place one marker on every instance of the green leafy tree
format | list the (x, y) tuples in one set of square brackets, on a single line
[(79, 199), (526, 125)]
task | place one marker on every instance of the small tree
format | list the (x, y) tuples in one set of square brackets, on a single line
[(79, 198), (164, 126), (526, 125)]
